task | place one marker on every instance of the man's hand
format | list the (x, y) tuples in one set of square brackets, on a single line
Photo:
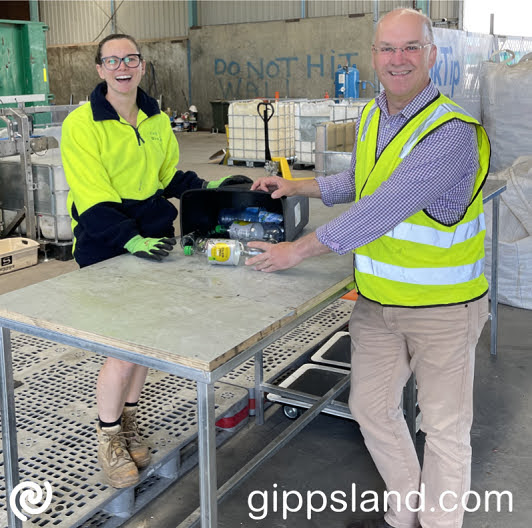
[(285, 254), (152, 248), (275, 257), (280, 187), (227, 180)]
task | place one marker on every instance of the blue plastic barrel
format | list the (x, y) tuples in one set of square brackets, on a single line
[(352, 84), (339, 82)]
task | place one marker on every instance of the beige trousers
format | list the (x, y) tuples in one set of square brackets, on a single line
[(438, 345)]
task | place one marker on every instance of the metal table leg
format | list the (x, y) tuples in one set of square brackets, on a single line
[(207, 455), (9, 426), (259, 399), (494, 273)]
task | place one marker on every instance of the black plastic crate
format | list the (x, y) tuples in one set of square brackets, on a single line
[(200, 208)]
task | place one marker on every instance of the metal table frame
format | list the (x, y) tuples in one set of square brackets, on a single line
[(492, 190), (206, 514)]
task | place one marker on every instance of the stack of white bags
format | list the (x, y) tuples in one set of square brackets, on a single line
[(515, 235), (506, 104)]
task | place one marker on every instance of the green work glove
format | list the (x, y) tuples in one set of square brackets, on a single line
[(154, 248), (227, 180)]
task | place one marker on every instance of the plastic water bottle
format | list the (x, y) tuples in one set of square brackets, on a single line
[(249, 214), (222, 251), (240, 230), (188, 239)]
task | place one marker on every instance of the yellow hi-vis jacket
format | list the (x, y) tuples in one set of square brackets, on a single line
[(420, 262)]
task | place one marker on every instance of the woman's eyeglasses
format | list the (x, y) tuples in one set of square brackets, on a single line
[(113, 63)]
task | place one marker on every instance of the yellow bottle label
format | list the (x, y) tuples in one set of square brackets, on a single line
[(220, 252)]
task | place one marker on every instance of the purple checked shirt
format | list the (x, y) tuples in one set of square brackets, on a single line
[(438, 175)]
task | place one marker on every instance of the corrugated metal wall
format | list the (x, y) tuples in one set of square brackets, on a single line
[(81, 21), (318, 8), (152, 19), (74, 22), (444, 9), (212, 12)]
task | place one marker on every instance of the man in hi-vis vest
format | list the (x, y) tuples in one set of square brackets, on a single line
[(417, 230)]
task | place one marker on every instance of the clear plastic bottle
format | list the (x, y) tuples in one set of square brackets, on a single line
[(188, 239), (249, 214), (241, 230), (222, 251)]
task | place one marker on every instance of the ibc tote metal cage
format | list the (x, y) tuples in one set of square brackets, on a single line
[(335, 138), (246, 131), (311, 114)]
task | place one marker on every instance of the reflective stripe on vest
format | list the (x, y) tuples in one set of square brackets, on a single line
[(368, 120), (435, 237), (439, 112), (420, 276)]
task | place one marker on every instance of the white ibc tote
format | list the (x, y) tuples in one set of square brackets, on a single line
[(506, 107), (246, 131), (515, 235)]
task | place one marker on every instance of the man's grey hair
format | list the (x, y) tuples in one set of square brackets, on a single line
[(426, 21)]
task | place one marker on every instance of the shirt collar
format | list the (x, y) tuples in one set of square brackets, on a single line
[(422, 99), (102, 109)]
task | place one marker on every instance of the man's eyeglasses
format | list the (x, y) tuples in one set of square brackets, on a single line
[(411, 49), (113, 63)]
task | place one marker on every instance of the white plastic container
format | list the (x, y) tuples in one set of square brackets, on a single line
[(347, 110), (307, 115), (246, 131), (17, 253), (50, 194), (52, 226)]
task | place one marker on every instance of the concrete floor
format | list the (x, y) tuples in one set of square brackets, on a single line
[(329, 454)]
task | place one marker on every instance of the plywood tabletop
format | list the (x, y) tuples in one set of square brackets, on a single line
[(181, 310)]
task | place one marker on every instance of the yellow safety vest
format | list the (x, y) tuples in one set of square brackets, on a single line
[(420, 262)]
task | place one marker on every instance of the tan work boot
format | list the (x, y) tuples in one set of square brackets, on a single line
[(138, 449), (114, 458)]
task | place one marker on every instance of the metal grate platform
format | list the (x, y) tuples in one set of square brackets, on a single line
[(293, 348), (56, 418)]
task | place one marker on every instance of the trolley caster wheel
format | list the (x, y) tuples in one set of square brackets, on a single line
[(291, 412)]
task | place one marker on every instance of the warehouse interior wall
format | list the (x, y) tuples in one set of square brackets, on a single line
[(73, 76), (296, 58)]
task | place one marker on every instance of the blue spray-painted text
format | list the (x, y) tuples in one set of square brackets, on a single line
[(262, 77)]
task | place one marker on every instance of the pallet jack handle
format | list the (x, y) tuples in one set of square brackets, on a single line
[(266, 115), (284, 169)]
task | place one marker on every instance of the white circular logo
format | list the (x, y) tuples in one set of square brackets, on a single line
[(31, 493)]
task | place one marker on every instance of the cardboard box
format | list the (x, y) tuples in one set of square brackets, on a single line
[(17, 253)]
